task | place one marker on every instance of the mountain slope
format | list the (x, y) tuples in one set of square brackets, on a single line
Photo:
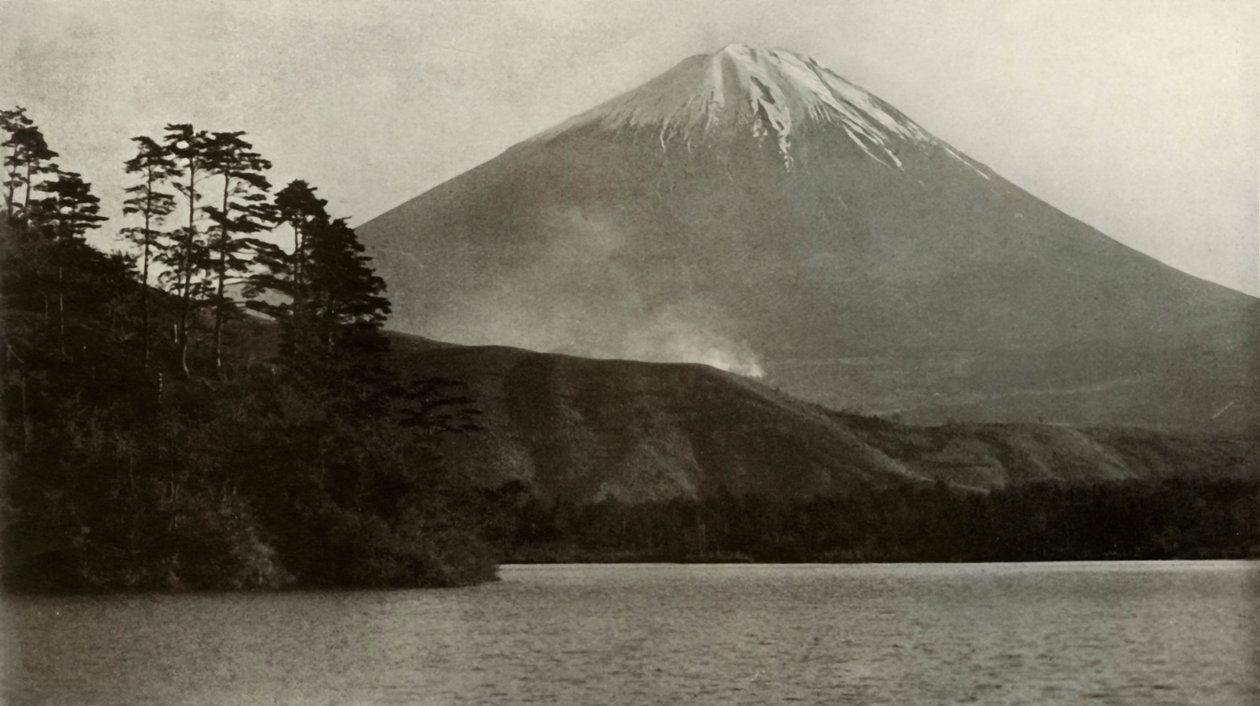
[(583, 430), (754, 211)]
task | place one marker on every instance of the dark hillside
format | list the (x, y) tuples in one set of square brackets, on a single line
[(586, 430), (122, 476)]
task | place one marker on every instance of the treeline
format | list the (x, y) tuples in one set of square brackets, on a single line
[(158, 435), (1039, 522)]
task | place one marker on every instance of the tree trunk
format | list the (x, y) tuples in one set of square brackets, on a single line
[(297, 307), (11, 187), (144, 288), (218, 323), (297, 256), (26, 200), (187, 264), (222, 274), (183, 355)]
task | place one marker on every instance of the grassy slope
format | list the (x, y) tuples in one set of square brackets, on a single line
[(583, 429)]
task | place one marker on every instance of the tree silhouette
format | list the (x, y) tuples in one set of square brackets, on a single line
[(281, 271), (297, 205), (346, 299), (71, 209), (187, 256), (243, 209), (27, 160), (333, 302), (64, 216), (153, 168), (10, 122)]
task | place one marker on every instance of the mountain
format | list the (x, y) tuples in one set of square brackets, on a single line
[(583, 430), (755, 211)]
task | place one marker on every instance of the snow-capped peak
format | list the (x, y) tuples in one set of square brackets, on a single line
[(773, 93)]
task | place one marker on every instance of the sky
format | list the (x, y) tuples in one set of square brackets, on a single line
[(1139, 117)]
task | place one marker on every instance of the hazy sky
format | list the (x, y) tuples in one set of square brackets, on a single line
[(1140, 117)]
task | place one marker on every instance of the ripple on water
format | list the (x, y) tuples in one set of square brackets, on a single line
[(1139, 633)]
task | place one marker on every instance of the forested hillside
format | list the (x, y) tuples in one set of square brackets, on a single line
[(158, 436)]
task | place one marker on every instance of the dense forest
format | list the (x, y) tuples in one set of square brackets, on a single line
[(1052, 521), (209, 408)]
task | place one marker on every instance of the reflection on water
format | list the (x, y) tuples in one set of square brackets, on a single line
[(1140, 633)]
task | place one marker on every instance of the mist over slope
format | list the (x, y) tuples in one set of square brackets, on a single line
[(754, 211)]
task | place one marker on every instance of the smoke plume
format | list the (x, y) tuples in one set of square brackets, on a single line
[(577, 294)]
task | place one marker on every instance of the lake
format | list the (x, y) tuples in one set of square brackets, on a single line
[(1063, 633)]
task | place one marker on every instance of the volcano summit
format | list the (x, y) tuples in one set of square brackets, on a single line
[(706, 99), (755, 211)]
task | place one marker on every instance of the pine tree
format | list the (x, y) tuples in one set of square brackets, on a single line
[(297, 205), (71, 209), (154, 167), (333, 303), (27, 160), (10, 122), (281, 272), (187, 256), (242, 210), (66, 214), (347, 299)]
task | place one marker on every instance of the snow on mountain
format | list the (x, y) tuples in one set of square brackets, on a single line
[(774, 94)]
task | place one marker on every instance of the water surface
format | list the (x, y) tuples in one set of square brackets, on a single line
[(1123, 633)]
